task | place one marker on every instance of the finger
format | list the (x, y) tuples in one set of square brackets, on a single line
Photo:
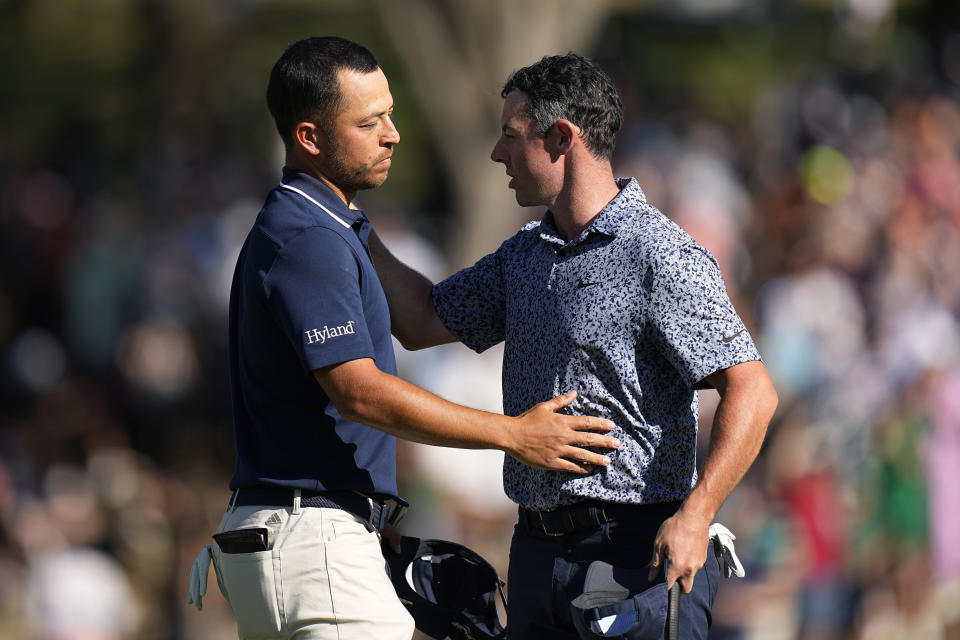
[(686, 583), (673, 576), (561, 464), (654, 565), (591, 423), (597, 440), (555, 404), (578, 455)]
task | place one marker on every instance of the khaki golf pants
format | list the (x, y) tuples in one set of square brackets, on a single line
[(322, 578)]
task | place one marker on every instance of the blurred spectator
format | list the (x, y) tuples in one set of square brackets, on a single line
[(79, 594)]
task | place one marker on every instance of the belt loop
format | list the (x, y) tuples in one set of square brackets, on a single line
[(374, 517), (233, 498), (296, 502), (601, 515)]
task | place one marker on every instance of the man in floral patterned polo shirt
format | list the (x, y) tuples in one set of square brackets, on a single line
[(607, 296)]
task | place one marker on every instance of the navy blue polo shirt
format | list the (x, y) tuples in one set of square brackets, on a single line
[(305, 295)]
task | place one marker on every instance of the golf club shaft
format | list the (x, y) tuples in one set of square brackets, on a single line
[(673, 611)]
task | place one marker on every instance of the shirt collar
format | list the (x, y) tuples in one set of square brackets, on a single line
[(323, 195), (610, 219)]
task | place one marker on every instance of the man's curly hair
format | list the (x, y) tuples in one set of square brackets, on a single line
[(575, 88)]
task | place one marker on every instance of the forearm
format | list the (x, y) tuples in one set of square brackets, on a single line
[(747, 402), (413, 319), (402, 409), (740, 424), (541, 437)]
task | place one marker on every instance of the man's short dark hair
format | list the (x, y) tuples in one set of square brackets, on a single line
[(575, 88), (304, 86)]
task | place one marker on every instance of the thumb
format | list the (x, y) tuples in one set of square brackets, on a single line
[(392, 538)]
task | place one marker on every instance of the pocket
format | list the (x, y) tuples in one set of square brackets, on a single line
[(360, 585), (248, 583), (348, 532)]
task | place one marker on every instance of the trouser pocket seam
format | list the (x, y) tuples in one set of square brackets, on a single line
[(278, 587)]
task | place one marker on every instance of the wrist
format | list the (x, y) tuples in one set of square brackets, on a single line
[(696, 508), (504, 434)]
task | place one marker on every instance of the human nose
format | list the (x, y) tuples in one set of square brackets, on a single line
[(497, 154), (391, 135)]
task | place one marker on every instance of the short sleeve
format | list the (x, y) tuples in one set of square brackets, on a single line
[(471, 304), (690, 316), (314, 292)]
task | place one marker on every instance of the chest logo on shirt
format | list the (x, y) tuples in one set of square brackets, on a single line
[(321, 335)]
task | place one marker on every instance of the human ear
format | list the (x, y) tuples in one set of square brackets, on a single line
[(566, 134), (307, 136)]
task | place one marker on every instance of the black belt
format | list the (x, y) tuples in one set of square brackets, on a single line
[(590, 515), (374, 511)]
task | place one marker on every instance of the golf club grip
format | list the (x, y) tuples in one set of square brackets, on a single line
[(673, 611)]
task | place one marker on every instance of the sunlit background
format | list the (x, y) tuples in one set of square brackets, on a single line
[(812, 146)]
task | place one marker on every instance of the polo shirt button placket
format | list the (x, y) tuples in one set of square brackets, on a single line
[(551, 283)]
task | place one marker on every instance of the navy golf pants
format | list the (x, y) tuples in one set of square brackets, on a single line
[(547, 572)]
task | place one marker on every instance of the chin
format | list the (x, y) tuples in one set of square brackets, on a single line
[(526, 201), (374, 181)]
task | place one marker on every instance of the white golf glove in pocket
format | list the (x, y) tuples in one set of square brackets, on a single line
[(198, 578)]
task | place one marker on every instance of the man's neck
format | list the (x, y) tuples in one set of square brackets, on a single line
[(301, 165), (583, 197)]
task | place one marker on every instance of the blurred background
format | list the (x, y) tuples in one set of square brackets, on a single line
[(811, 145)]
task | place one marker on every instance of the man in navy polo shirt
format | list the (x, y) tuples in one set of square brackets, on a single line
[(317, 403), (607, 295)]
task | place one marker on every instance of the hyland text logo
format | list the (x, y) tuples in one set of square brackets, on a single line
[(321, 335)]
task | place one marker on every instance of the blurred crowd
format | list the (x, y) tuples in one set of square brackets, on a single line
[(842, 253), (833, 209)]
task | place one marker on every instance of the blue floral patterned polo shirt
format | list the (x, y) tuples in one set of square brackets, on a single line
[(632, 314)]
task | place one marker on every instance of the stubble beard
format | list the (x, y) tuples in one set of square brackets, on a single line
[(354, 178)]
